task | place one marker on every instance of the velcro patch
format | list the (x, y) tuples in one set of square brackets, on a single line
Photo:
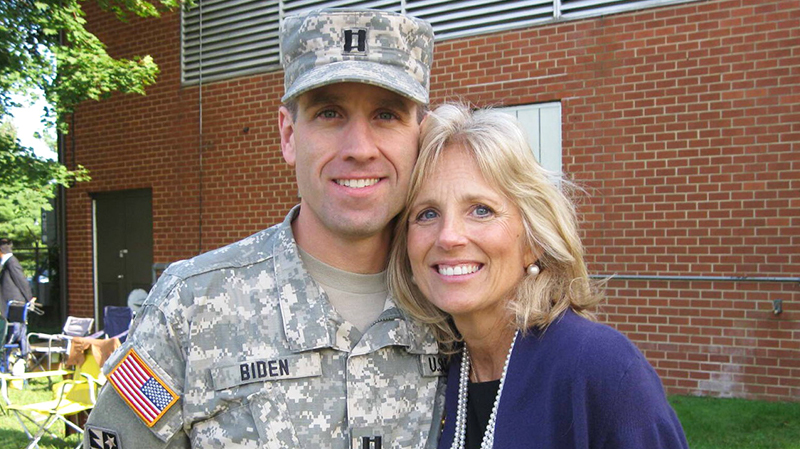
[(145, 393), (433, 365), (290, 366), (102, 438)]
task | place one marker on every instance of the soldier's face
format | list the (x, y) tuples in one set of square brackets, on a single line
[(353, 147)]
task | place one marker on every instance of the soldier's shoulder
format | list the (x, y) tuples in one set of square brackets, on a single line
[(254, 249)]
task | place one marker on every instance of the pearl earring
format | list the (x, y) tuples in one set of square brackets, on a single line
[(533, 270)]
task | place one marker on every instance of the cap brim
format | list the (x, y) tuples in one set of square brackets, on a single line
[(373, 73)]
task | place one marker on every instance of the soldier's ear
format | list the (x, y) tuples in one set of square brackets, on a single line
[(286, 127), (425, 116)]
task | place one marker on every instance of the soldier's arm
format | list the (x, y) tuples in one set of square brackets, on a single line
[(438, 415), (141, 402), (113, 420)]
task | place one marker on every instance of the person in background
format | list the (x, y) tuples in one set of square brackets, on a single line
[(488, 254), (135, 299), (13, 283), (289, 338)]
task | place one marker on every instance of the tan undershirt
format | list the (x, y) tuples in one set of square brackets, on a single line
[(358, 298)]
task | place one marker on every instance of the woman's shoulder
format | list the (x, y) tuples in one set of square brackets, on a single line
[(571, 328), (589, 346), (610, 380)]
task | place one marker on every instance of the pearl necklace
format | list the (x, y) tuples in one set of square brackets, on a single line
[(460, 437)]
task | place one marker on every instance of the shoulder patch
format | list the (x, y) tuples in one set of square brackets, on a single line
[(98, 438), (145, 393), (433, 365)]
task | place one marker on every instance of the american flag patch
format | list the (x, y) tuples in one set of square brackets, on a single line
[(144, 392)]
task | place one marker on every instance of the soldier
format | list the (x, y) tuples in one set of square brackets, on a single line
[(288, 338)]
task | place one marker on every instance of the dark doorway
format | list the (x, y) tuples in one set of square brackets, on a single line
[(123, 231)]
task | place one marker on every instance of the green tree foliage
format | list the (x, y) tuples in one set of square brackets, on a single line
[(27, 184), (44, 46)]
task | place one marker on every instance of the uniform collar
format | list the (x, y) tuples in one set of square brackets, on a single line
[(310, 322), (393, 328)]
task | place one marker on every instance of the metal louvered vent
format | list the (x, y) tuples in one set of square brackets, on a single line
[(452, 19), (223, 39), (300, 7), (227, 38), (576, 9)]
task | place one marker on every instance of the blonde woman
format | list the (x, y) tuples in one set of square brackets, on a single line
[(488, 254)]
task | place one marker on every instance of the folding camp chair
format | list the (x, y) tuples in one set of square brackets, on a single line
[(117, 321), (14, 330), (49, 344), (70, 397), (5, 350)]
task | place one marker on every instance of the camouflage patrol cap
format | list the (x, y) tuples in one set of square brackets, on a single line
[(381, 48)]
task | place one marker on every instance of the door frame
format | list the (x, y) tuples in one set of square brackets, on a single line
[(95, 274), (95, 277)]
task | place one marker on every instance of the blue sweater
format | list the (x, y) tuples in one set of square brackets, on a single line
[(579, 384)]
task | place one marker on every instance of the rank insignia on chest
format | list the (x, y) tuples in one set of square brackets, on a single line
[(141, 388), (371, 437), (371, 442)]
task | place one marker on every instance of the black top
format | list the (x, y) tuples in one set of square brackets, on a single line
[(480, 401)]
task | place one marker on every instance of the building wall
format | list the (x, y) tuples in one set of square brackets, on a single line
[(681, 123)]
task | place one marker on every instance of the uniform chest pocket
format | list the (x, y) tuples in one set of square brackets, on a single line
[(272, 420), (260, 420), (257, 415)]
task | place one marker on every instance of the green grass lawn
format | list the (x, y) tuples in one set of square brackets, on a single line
[(11, 434), (713, 423), (710, 423)]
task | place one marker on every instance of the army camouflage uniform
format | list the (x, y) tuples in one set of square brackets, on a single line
[(240, 348), (257, 357)]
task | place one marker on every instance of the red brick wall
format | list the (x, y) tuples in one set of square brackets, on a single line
[(153, 141), (681, 122)]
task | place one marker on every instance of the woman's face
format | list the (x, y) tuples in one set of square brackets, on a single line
[(465, 240)]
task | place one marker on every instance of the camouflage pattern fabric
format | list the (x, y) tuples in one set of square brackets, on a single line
[(381, 48), (260, 358)]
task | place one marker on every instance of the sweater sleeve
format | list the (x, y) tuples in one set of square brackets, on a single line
[(639, 415)]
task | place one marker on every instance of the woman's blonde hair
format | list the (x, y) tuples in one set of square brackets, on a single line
[(498, 145)]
